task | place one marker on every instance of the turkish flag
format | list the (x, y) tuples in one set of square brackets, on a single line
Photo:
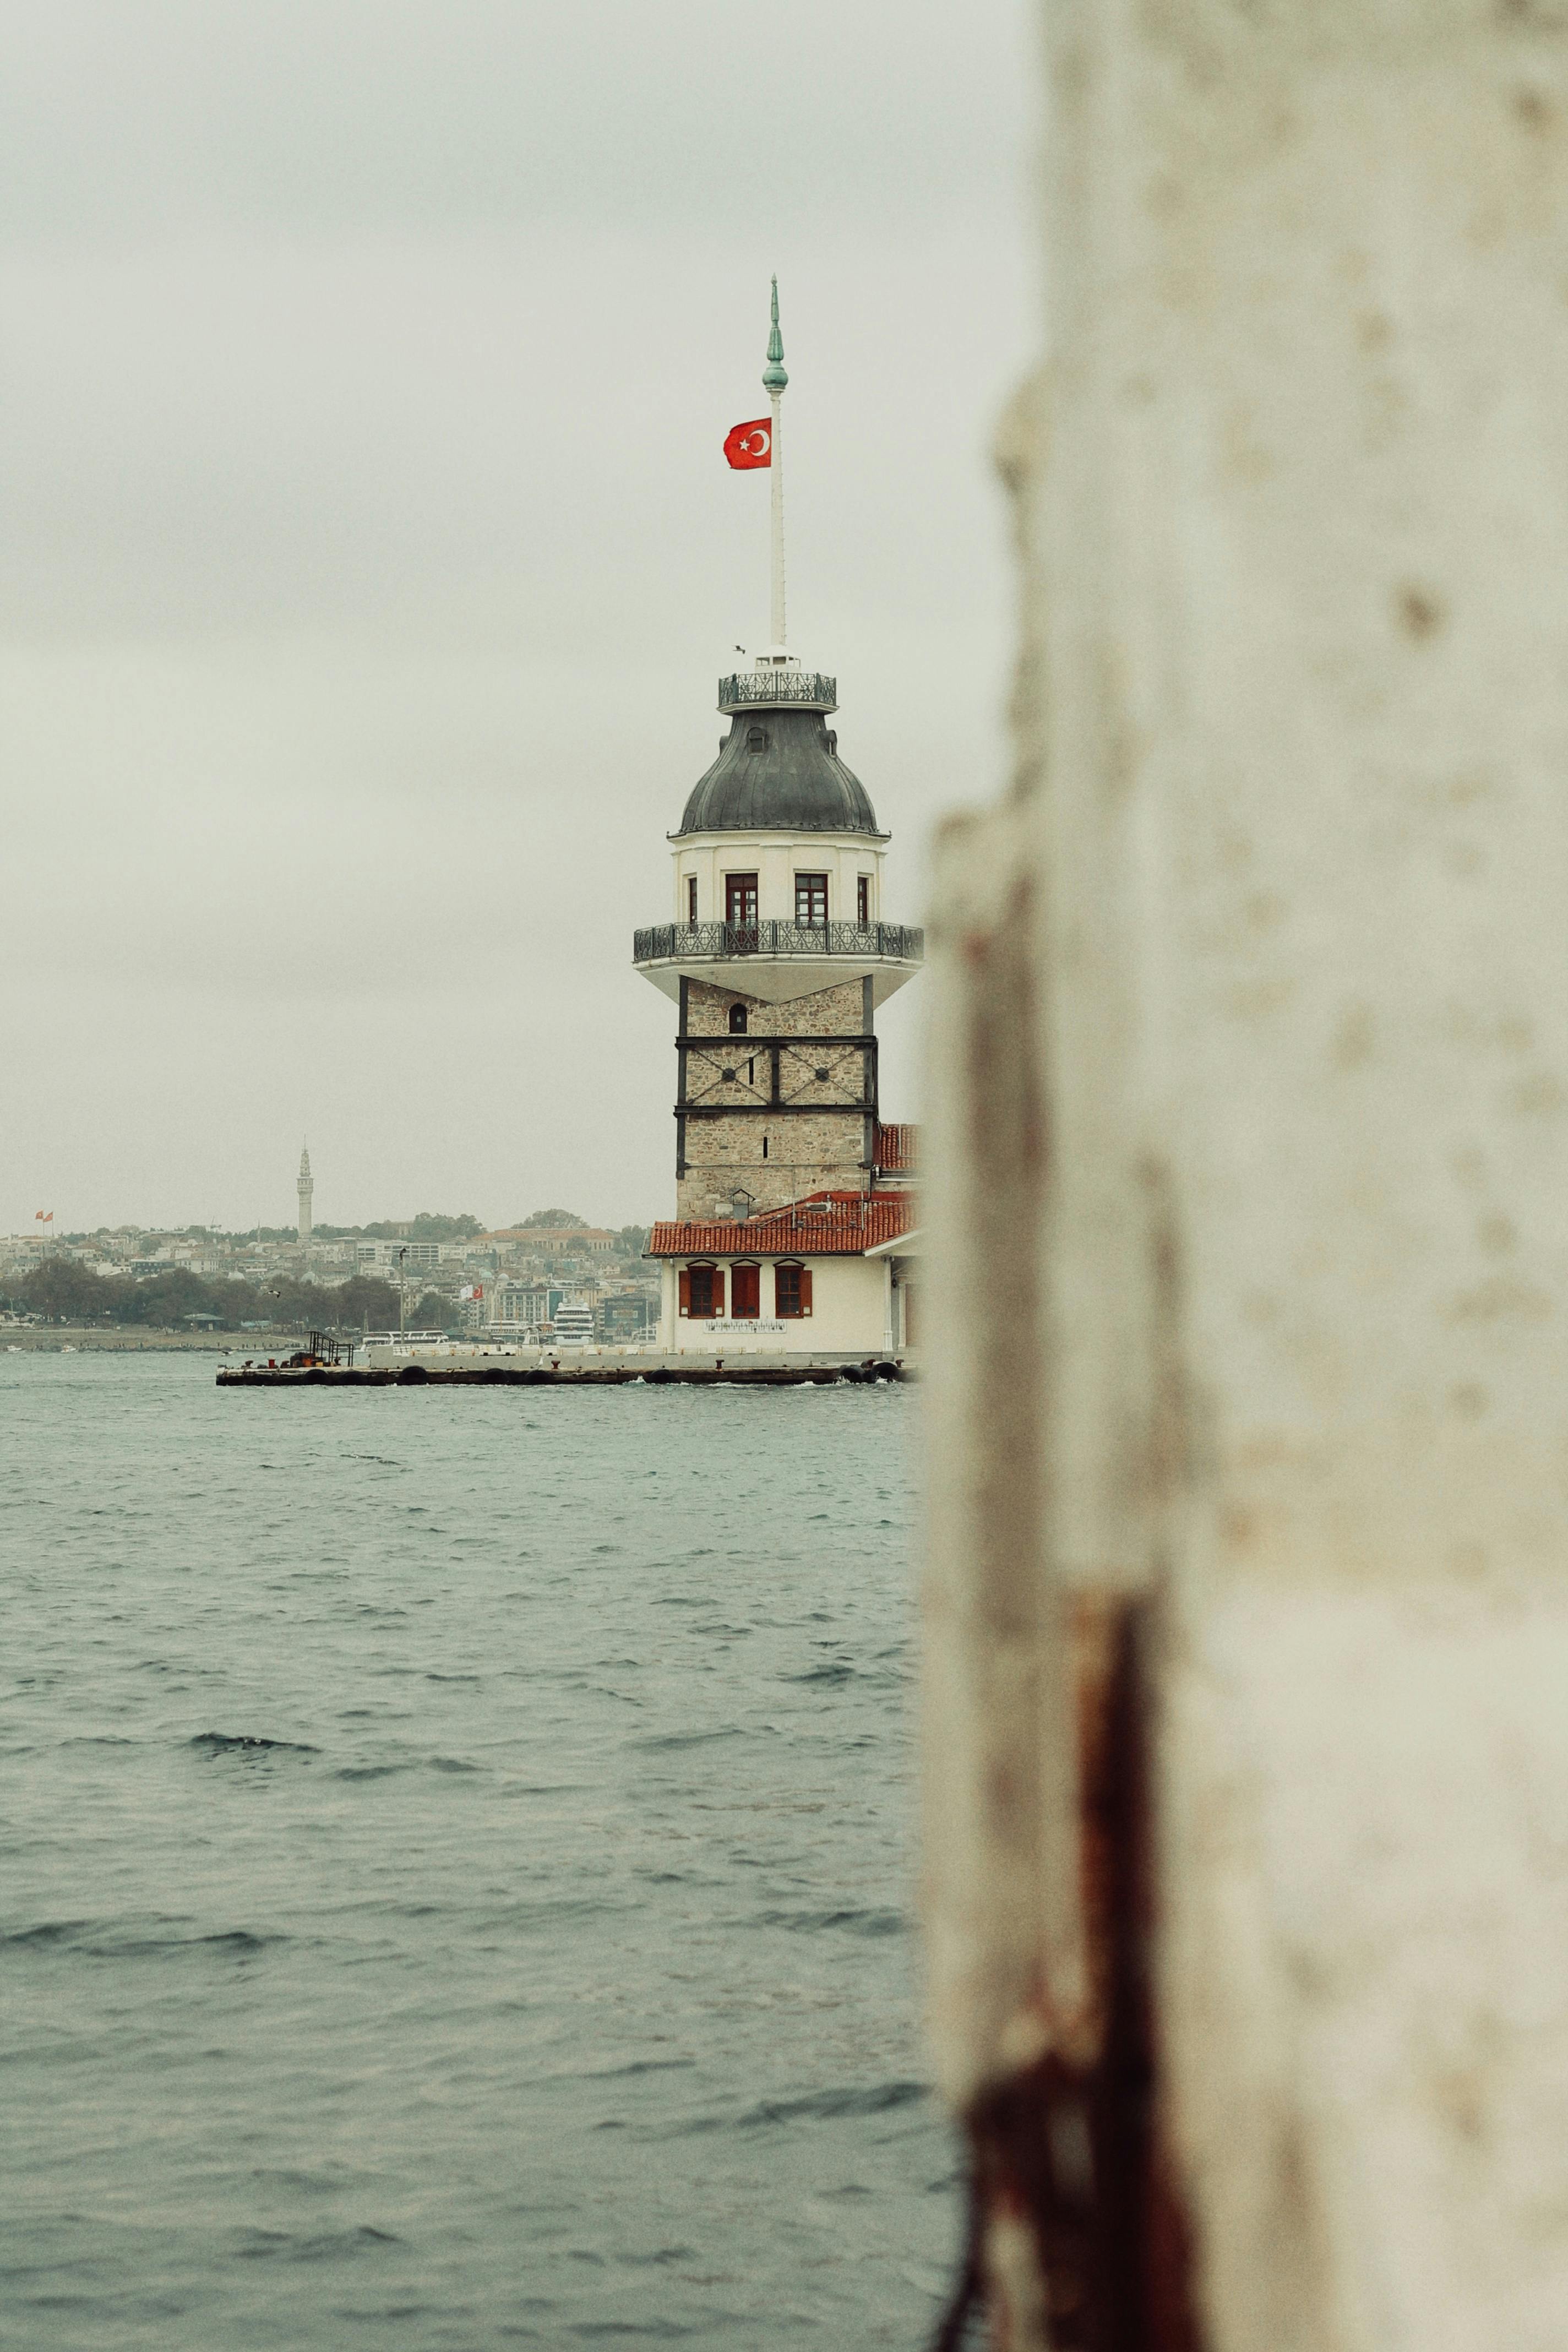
[(746, 446)]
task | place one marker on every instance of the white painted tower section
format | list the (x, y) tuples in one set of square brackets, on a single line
[(305, 1187)]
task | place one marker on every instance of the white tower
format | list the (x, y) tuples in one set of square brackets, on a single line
[(779, 954), (304, 1188)]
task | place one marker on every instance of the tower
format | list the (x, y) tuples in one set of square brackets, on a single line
[(304, 1188), (779, 952)]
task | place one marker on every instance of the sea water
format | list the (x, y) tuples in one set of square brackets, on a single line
[(455, 1854)]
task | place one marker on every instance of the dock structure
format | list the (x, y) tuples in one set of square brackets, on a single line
[(599, 1368)]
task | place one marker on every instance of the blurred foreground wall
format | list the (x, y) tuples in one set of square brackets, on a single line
[(1246, 1598)]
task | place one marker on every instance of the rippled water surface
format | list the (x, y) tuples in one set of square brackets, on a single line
[(456, 1867)]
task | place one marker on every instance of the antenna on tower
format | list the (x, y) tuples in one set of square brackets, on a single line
[(773, 382)]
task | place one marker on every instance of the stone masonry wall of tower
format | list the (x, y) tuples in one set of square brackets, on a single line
[(816, 1124)]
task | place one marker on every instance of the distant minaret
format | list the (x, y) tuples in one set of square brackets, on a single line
[(304, 1188)]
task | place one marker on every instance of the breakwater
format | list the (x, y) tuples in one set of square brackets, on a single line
[(661, 1371)]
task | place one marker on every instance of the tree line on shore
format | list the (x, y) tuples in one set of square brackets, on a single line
[(62, 1291)]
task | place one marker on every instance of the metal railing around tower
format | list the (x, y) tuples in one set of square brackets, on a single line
[(895, 942), (746, 688)]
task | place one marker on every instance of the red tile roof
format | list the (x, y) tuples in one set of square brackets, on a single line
[(824, 1224), (896, 1146)]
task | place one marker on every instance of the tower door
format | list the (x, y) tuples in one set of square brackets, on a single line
[(740, 901)]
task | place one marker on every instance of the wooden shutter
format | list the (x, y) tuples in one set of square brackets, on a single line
[(719, 1290), (685, 1291), (743, 1290), (806, 1290)]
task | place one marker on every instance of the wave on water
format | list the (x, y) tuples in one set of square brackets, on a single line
[(249, 1743), (815, 2107), (320, 2245), (105, 1939), (859, 1923), (875, 2099)]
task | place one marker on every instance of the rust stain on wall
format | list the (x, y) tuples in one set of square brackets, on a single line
[(1076, 2230)]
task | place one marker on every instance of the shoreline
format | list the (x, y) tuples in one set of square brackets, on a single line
[(46, 1338)]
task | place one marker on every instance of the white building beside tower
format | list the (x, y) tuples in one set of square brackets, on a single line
[(778, 953)]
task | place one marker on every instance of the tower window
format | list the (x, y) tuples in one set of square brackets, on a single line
[(741, 900), (737, 1020), (862, 899), (764, 1146), (756, 738), (811, 897), (692, 898)]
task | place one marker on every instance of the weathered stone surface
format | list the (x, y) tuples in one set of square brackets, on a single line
[(823, 1148), (1275, 914), (827, 1012)]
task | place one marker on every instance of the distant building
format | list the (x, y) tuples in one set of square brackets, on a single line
[(519, 1307), (627, 1315), (557, 1240), (412, 1256), (304, 1189)]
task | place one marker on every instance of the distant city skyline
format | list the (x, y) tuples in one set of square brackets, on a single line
[(371, 558), (286, 1233)]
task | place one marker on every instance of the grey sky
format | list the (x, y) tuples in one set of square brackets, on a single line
[(367, 557)]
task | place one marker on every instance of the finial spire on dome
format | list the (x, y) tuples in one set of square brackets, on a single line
[(773, 382), (774, 376)]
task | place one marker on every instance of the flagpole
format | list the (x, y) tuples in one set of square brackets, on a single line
[(773, 382)]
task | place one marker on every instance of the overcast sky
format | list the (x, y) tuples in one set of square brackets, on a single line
[(367, 556)]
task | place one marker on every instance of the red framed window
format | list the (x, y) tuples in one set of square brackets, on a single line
[(692, 898), (745, 1290), (792, 1289), (862, 900), (702, 1291), (811, 897), (741, 900)]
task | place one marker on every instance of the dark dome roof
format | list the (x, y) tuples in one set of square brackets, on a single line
[(794, 783)]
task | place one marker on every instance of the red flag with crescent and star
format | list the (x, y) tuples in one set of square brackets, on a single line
[(746, 446)]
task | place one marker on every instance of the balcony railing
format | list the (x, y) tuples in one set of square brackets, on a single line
[(897, 942), (747, 688)]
